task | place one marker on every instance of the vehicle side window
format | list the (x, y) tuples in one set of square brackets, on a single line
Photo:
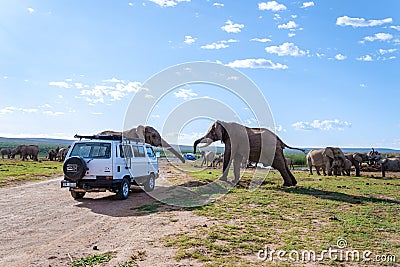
[(138, 151), (126, 151), (150, 152), (92, 150)]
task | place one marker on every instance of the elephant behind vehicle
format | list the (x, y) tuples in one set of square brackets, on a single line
[(150, 136), (6, 152), (24, 151), (253, 144)]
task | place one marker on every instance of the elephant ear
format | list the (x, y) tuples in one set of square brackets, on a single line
[(357, 157), (328, 152), (221, 131), (140, 132)]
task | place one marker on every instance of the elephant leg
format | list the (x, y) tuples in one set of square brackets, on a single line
[(236, 168), (280, 164), (226, 165), (357, 166), (317, 168)]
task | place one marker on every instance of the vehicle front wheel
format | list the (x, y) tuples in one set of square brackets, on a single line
[(150, 183), (77, 195), (123, 190)]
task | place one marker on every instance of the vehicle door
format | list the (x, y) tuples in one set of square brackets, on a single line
[(152, 160), (139, 161)]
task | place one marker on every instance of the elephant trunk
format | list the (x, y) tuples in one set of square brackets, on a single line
[(168, 147)]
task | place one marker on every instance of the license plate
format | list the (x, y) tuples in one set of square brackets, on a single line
[(67, 184)]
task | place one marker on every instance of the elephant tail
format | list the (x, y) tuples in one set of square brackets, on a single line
[(295, 148)]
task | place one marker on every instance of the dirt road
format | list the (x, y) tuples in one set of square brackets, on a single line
[(42, 225)]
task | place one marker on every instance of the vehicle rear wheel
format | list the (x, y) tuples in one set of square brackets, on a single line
[(77, 195), (150, 183), (123, 190)]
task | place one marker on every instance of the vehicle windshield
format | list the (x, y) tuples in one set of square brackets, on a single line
[(92, 150)]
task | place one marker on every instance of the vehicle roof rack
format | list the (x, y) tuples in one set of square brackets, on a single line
[(100, 137), (115, 137)]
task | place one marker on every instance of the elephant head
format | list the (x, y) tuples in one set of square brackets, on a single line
[(217, 132), (150, 136)]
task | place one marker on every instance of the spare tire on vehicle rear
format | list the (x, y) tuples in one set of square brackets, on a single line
[(74, 168)]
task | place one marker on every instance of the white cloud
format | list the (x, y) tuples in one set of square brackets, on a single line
[(52, 113), (280, 129), (189, 39), (290, 25), (271, 5), (395, 27), (261, 40), (60, 84), (383, 51), (215, 46), (232, 27), (291, 34), (307, 4), (218, 4), (219, 45), (259, 63), (186, 94), (365, 58), (12, 109), (148, 96), (325, 125), (379, 37), (285, 49), (168, 3), (361, 22), (7, 110), (130, 4), (101, 93), (340, 57), (79, 85), (30, 10), (112, 80)]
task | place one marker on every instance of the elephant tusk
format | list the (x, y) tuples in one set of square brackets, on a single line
[(207, 142)]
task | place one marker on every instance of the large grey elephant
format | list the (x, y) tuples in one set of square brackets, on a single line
[(389, 164), (24, 151), (5, 152), (252, 144), (208, 158), (324, 158), (356, 160), (151, 136)]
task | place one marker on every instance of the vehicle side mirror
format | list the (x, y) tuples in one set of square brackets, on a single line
[(158, 154)]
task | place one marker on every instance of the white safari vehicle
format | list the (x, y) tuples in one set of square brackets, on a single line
[(109, 162)]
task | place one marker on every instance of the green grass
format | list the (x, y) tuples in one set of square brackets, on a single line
[(312, 216), (16, 171), (92, 260)]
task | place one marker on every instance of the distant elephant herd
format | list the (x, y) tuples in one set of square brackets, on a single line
[(27, 152), (333, 160)]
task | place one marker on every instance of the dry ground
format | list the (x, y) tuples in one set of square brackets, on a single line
[(42, 225)]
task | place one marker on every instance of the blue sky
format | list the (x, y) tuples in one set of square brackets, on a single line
[(328, 69)]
